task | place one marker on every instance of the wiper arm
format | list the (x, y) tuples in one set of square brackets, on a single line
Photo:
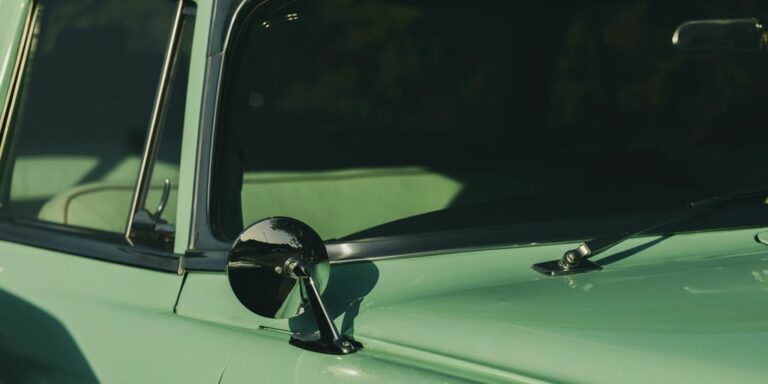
[(577, 260)]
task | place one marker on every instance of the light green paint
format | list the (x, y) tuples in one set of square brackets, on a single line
[(76, 319), (690, 308), (11, 26), (192, 116), (266, 357), (71, 319), (694, 307)]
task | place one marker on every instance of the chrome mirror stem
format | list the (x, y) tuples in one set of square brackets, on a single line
[(329, 340)]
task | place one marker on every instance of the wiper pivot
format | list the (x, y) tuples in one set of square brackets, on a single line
[(577, 260), (573, 261)]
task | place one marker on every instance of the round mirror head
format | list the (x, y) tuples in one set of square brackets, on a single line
[(257, 266)]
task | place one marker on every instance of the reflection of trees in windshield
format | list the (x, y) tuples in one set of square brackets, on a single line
[(553, 108)]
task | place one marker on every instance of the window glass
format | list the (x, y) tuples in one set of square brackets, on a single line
[(83, 110), (383, 118)]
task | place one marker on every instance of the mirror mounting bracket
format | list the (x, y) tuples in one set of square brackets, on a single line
[(329, 340)]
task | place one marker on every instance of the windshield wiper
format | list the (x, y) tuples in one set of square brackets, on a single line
[(577, 260)]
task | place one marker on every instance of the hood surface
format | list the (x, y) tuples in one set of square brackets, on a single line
[(688, 308)]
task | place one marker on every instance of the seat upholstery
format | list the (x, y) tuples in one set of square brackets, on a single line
[(341, 202), (101, 206), (335, 203)]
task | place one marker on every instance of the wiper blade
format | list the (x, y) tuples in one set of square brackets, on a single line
[(577, 260)]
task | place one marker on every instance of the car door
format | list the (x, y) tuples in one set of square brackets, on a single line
[(87, 295)]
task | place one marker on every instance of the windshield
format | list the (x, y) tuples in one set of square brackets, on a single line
[(386, 118)]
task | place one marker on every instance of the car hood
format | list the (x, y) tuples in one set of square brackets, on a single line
[(687, 308)]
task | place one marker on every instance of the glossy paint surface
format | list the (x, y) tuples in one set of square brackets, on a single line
[(71, 319), (193, 114), (688, 308), (66, 318), (12, 13)]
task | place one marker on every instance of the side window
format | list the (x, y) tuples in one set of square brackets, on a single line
[(373, 119), (348, 115), (82, 111)]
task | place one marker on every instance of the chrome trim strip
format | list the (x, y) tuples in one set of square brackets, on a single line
[(429, 244), (235, 19), (9, 105), (150, 146), (436, 252), (360, 252)]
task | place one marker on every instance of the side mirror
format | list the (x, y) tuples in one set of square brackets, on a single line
[(276, 268), (727, 34)]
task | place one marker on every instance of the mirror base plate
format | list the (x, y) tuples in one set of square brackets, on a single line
[(315, 344)]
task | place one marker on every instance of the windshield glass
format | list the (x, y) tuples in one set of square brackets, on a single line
[(385, 118)]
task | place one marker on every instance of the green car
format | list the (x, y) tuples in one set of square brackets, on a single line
[(383, 191)]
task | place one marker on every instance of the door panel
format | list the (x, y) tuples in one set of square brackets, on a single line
[(268, 358), (80, 122), (71, 319), (359, 297), (262, 353)]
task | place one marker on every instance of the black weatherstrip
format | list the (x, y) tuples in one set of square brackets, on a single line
[(91, 244)]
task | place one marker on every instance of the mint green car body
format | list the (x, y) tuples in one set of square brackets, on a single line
[(690, 308)]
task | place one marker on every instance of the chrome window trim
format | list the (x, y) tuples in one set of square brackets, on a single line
[(158, 110)]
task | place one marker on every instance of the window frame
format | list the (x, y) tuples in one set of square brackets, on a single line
[(78, 241)]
